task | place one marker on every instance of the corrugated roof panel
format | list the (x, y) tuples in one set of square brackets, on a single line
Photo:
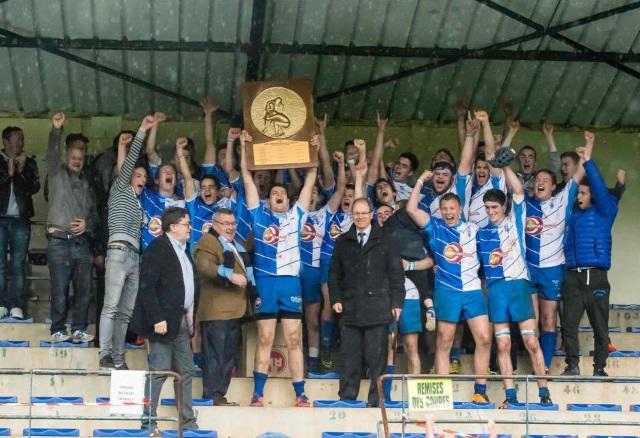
[(48, 18), (56, 80), (137, 19), (432, 91), (166, 20), (106, 19), (357, 70), (313, 16), (112, 99), (407, 92), (85, 81), (374, 21), (19, 16), (281, 21), (138, 64), (562, 97), (631, 115), (429, 18), (455, 27), (8, 98), (378, 98), (342, 19), (276, 67), (30, 87), (488, 90), (194, 20), (584, 111), (303, 67)]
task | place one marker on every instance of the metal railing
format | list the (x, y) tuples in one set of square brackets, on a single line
[(30, 416), (528, 419)]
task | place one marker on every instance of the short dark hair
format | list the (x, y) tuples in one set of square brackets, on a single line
[(495, 195), (525, 147), (172, 216), (449, 196), (480, 157), (379, 180), (171, 165), (277, 184), (349, 187), (6, 132), (223, 210), (571, 154), (549, 172), (447, 152), (76, 136), (415, 163), (213, 178)]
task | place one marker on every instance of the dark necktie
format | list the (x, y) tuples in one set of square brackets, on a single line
[(361, 235)]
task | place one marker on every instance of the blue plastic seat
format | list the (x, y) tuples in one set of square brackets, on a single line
[(634, 408), (120, 433), (49, 399), (472, 405), (8, 399), (50, 431), (5, 431), (624, 354), (131, 346), (272, 435), (13, 344), (349, 435), (65, 344), (485, 435), (407, 435), (396, 404), (533, 407), (10, 320), (612, 436), (103, 399), (194, 402), (625, 306), (550, 436), (633, 329), (339, 404), (324, 376), (603, 407), (615, 329), (172, 433)]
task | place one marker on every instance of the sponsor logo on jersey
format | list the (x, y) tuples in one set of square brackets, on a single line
[(453, 252), (334, 231), (271, 235), (534, 225), (155, 226), (308, 232), (496, 256)]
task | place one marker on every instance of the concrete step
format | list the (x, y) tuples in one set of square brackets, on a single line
[(312, 422)]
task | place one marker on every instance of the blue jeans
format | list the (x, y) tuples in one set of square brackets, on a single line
[(70, 262), (14, 236)]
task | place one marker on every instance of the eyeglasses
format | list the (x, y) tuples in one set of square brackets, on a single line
[(226, 224), (188, 225)]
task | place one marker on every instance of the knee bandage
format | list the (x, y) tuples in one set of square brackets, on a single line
[(526, 333), (504, 333)]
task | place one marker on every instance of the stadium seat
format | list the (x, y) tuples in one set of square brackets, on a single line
[(324, 376), (50, 431), (9, 320), (625, 306), (349, 435), (339, 404), (550, 436), (407, 435), (472, 405), (120, 433), (634, 408), (395, 404), (65, 344), (131, 346), (533, 407), (484, 435), (103, 399), (5, 431), (195, 402), (604, 407), (191, 433), (272, 435), (624, 354), (55, 400), (8, 399), (612, 436), (633, 329), (10, 344)]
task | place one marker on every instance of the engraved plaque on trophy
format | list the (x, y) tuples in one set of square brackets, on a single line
[(279, 117)]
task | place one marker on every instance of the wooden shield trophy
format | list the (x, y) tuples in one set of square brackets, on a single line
[(279, 117)]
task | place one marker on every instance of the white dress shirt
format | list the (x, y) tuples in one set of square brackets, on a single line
[(187, 271)]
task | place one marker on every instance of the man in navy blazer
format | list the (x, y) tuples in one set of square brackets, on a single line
[(164, 312)]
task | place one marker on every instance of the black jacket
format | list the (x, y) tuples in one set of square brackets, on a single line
[(161, 292), (25, 184), (369, 282)]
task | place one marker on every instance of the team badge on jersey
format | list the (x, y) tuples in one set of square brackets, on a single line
[(155, 226), (453, 252), (308, 232), (495, 257), (334, 231), (534, 225), (271, 235)]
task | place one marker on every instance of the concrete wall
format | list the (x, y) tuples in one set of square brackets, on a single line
[(614, 150)]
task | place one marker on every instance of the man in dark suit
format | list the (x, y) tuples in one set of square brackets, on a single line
[(164, 312), (366, 285)]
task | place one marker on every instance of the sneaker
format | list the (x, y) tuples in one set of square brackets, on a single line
[(571, 370), (59, 337), (600, 372), (258, 402), (430, 325), (121, 366), (16, 313), (302, 401), (79, 337), (106, 363), (505, 404), (4, 312), (480, 398), (325, 359), (546, 400), (454, 366)]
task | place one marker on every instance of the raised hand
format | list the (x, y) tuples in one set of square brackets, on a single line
[(382, 123), (124, 139), (181, 143), (547, 128), (148, 122), (621, 176), (359, 144), (233, 133), (209, 106), (392, 143), (481, 116), (322, 123), (160, 117), (315, 141), (426, 176), (338, 157), (461, 108), (514, 125), (590, 138), (245, 137), (472, 125), (58, 120), (361, 169)]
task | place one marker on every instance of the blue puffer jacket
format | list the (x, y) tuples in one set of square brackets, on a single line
[(588, 238)]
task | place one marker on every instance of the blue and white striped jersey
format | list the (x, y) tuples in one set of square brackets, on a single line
[(313, 232)]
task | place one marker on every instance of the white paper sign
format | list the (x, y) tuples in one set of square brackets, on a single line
[(127, 392)]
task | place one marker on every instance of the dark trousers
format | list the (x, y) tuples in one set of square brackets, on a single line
[(175, 356), (356, 342), (219, 341), (14, 236), (587, 290), (70, 262)]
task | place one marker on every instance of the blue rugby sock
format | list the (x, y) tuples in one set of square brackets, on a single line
[(543, 392), (548, 345), (388, 382), (298, 387), (259, 380), (455, 354), (511, 394), (326, 330), (480, 388)]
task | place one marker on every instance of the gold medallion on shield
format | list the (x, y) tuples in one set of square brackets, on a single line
[(278, 112)]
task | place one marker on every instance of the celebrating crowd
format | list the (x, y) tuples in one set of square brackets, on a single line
[(470, 245)]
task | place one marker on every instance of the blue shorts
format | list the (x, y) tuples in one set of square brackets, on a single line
[(278, 295), (453, 306), (547, 282), (310, 283), (510, 301), (410, 320), (324, 271)]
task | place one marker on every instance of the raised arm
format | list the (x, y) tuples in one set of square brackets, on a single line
[(461, 110), (514, 184), (605, 203), (360, 173), (123, 141), (250, 189), (152, 151), (229, 166), (310, 179), (421, 218), (468, 150), (53, 146), (514, 126), (378, 151), (208, 108), (336, 198), (554, 156), (328, 178), (183, 166), (589, 140)]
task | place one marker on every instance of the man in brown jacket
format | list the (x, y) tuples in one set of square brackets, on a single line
[(226, 282)]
